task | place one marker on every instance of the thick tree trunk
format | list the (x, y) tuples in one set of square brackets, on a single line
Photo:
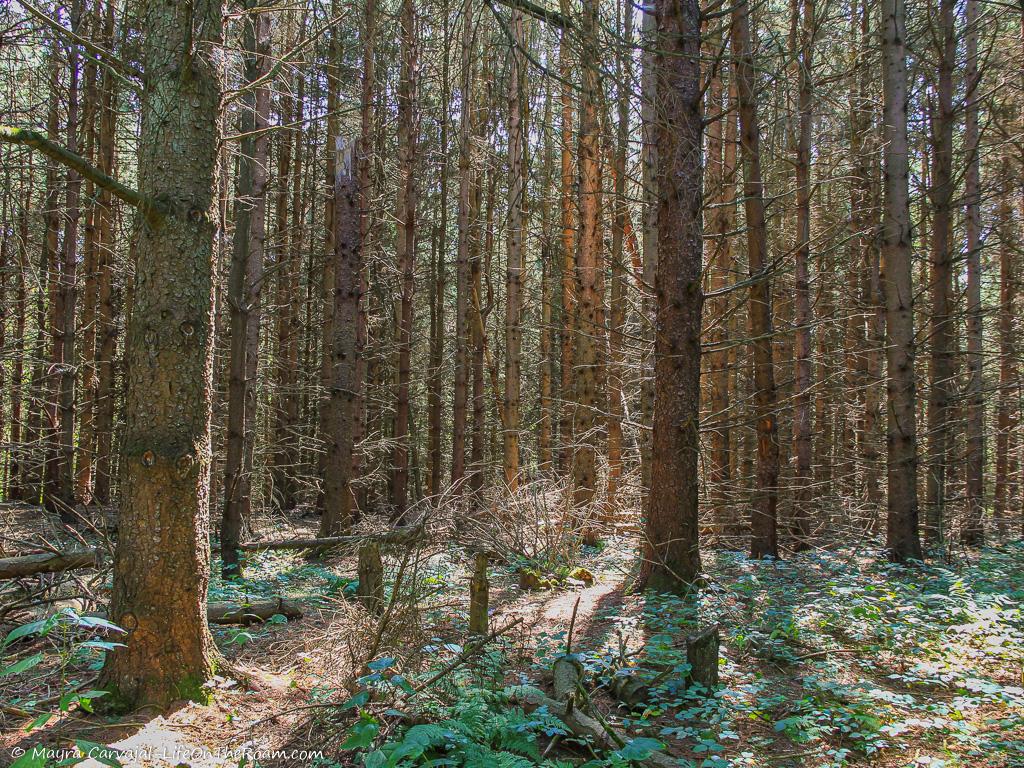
[(764, 535), (671, 558), (162, 560), (902, 532)]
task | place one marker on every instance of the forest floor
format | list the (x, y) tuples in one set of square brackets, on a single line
[(828, 658)]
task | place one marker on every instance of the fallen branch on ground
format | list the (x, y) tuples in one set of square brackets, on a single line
[(48, 562), (409, 535)]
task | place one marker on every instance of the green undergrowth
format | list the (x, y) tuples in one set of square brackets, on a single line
[(828, 659)]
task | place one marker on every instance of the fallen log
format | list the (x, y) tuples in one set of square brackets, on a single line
[(48, 562), (583, 726), (237, 613), (397, 536)]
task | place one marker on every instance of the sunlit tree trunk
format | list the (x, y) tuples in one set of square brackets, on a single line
[(162, 559)]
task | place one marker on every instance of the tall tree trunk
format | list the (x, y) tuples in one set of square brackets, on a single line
[(617, 295), (106, 353), (405, 255), (90, 266), (463, 323), (589, 330), (60, 490), (764, 535), (514, 255), (802, 478), (567, 383), (332, 76), (285, 459), (437, 314), (343, 401), (649, 163), (902, 531), (162, 559), (941, 385), (1007, 412), (547, 262), (721, 183), (244, 285), (974, 530), (671, 558)]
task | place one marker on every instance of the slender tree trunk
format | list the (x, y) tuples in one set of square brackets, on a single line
[(1007, 412), (671, 558), (617, 296), (343, 401), (514, 255), (437, 315), (285, 459), (547, 259), (764, 536), (587, 351), (803, 494), (567, 384), (463, 324), (90, 265), (974, 531), (332, 76), (902, 532), (940, 392), (649, 160), (405, 254), (720, 182), (106, 353), (243, 287), (162, 559)]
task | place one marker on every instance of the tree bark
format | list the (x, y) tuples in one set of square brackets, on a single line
[(902, 535), (514, 255), (342, 398), (803, 494), (671, 558), (405, 255), (973, 533), (764, 535), (244, 286), (161, 564)]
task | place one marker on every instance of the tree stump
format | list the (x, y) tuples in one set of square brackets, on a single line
[(702, 655), (479, 595), (370, 570)]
